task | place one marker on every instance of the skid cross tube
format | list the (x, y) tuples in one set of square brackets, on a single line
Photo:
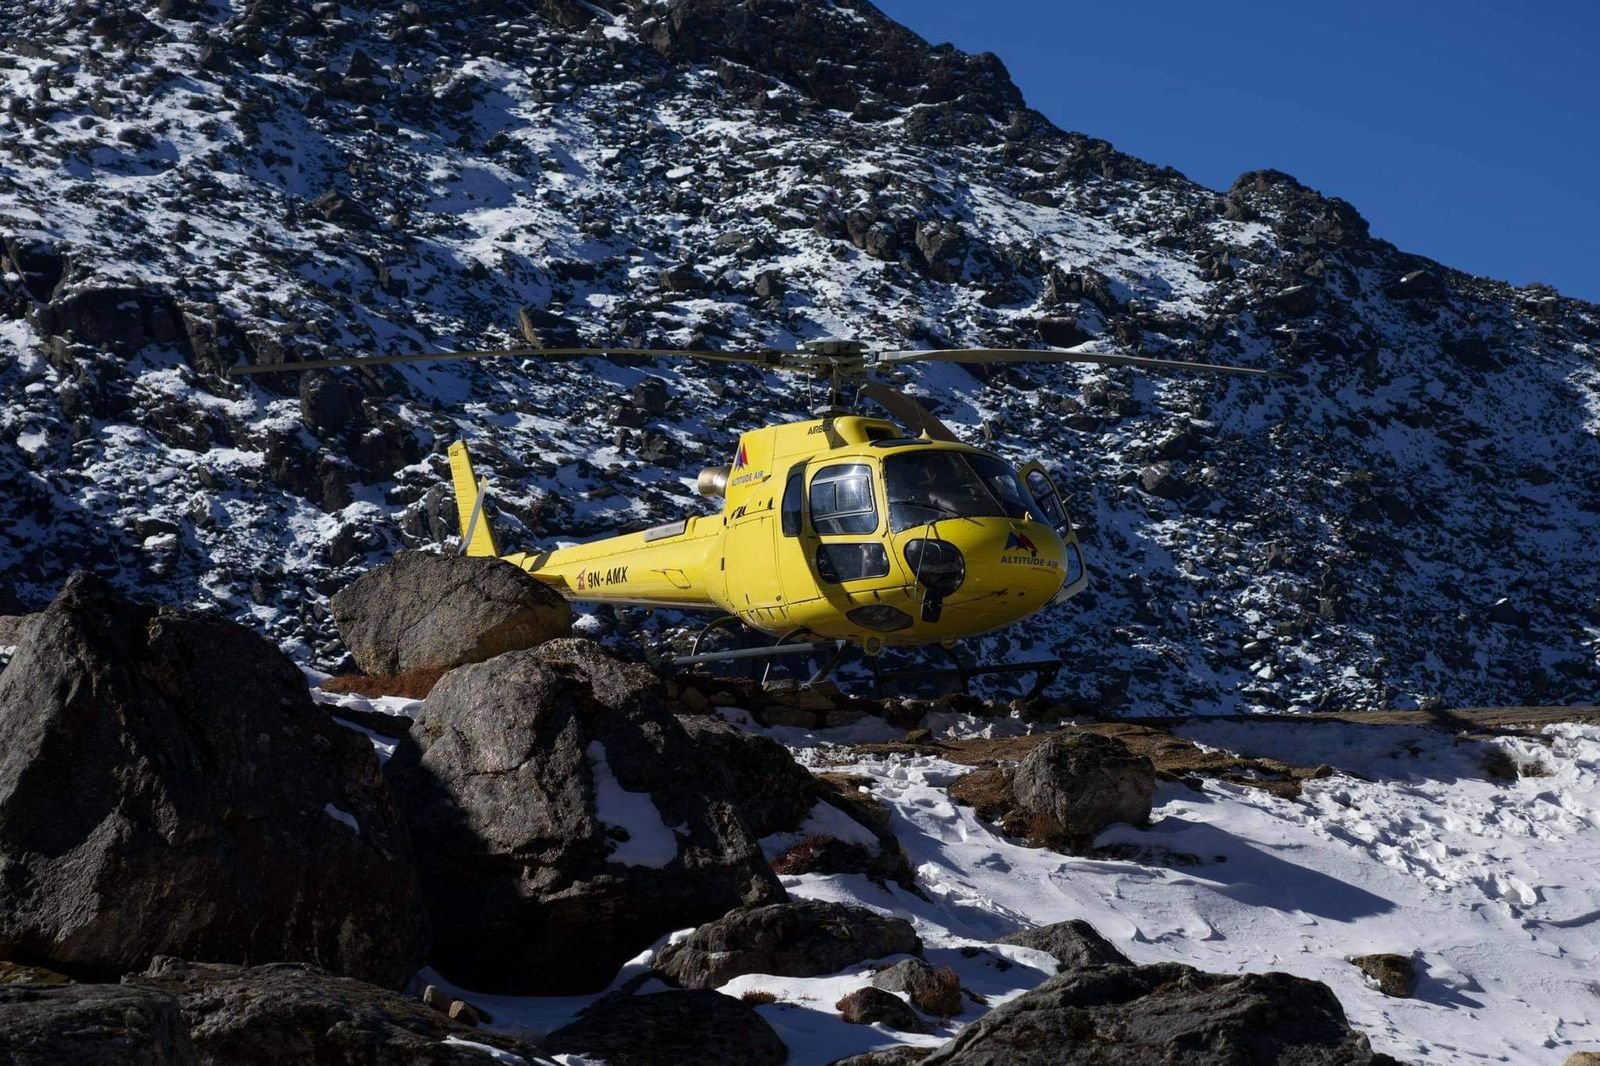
[(757, 653)]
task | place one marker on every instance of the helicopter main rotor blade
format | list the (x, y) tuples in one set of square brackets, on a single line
[(1045, 355), (911, 413), (781, 358)]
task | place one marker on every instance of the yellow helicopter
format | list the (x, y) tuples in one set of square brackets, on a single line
[(839, 531)]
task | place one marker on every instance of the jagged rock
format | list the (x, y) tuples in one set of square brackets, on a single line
[(1296, 299), (1160, 479), (38, 262), (1074, 943), (546, 329), (670, 1029), (807, 938), (421, 611), (651, 396), (287, 1012), (682, 278), (118, 318), (943, 247), (1060, 332), (1082, 782), (1395, 975), (92, 1025), (1163, 1013), (773, 792), (152, 758), (564, 820), (869, 1005), (324, 402)]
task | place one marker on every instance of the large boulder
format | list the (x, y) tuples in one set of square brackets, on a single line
[(564, 820), (288, 1012), (670, 1029), (1161, 1014), (421, 611), (1073, 943), (828, 830), (1076, 784), (805, 938), (774, 793), (91, 1025), (168, 787)]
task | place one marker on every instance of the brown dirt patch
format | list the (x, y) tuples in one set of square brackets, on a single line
[(413, 685)]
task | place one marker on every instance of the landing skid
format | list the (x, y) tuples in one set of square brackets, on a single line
[(1044, 671), (834, 652)]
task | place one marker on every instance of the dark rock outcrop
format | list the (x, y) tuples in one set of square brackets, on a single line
[(289, 1013), (92, 1025), (1082, 782), (564, 820), (421, 611), (670, 1029), (807, 938), (774, 793), (1395, 975), (167, 786), (869, 1005), (1074, 944), (1165, 1013)]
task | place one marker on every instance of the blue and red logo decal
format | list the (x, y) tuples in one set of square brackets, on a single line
[(741, 460), (1018, 542)]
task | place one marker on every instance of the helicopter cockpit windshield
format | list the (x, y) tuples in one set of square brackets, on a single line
[(926, 486)]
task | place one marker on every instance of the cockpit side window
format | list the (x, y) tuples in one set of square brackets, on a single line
[(792, 490), (842, 500)]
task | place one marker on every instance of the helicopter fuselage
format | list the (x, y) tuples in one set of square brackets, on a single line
[(838, 528)]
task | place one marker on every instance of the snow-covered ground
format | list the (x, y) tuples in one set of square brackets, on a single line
[(1411, 846)]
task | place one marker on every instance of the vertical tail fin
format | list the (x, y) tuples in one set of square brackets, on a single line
[(477, 538)]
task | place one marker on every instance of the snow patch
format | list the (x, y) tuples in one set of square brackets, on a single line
[(650, 842), (342, 816)]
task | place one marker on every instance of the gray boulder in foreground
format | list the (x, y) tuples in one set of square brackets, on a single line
[(804, 938), (1136, 1015), (564, 821), (670, 1029), (1079, 783), (92, 1025), (290, 1013), (421, 611), (168, 787)]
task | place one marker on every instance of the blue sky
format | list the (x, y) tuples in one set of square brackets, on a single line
[(1468, 132)]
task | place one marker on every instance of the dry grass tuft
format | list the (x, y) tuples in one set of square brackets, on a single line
[(758, 997), (413, 684), (943, 1000)]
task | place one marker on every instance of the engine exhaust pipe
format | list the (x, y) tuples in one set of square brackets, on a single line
[(713, 482)]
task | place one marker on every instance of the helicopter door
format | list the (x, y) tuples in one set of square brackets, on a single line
[(1047, 502)]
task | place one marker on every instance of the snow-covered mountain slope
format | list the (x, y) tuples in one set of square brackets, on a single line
[(184, 185)]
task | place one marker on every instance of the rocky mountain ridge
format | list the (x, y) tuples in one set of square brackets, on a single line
[(187, 185)]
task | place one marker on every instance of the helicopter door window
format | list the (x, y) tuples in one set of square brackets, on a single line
[(1048, 500), (792, 491), (842, 501), (851, 562)]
